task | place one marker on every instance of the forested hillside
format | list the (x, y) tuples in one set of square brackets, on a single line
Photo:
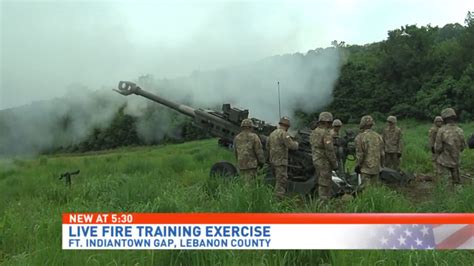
[(415, 73)]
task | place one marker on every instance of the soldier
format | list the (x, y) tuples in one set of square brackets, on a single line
[(437, 123), (393, 143), (471, 142), (278, 144), (248, 150), (324, 156), (449, 144), (369, 151), (336, 128)]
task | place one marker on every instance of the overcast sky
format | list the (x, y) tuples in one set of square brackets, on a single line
[(48, 45)]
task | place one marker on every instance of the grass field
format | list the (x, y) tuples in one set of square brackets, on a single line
[(174, 178)]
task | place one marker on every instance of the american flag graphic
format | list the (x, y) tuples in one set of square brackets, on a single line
[(423, 236)]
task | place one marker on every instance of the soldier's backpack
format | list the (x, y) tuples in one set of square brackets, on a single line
[(391, 176), (471, 142)]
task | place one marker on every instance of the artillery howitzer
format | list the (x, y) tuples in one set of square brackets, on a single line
[(226, 125)]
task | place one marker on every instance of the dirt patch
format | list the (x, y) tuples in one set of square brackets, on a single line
[(416, 191)]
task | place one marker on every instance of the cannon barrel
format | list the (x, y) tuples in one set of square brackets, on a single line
[(126, 88), (223, 126)]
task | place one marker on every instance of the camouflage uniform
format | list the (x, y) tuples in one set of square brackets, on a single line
[(338, 145), (278, 144), (432, 138), (249, 152), (449, 144), (324, 156), (369, 152), (392, 138), (334, 132)]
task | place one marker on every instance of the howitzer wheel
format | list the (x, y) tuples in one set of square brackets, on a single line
[(224, 169)]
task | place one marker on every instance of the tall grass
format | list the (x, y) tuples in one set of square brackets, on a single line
[(174, 178)]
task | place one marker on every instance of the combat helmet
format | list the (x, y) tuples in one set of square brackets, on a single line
[(365, 121), (337, 123), (392, 119), (438, 119), (246, 123), (285, 121), (325, 117), (448, 112)]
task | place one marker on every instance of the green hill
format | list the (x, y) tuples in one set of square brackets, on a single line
[(174, 178)]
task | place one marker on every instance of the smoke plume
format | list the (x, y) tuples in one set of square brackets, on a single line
[(201, 55), (306, 83)]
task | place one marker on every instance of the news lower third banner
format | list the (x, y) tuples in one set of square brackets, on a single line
[(124, 231)]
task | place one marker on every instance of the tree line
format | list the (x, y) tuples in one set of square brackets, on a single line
[(415, 73)]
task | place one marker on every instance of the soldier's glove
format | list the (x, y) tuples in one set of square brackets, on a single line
[(357, 169), (260, 165), (432, 150), (335, 167), (399, 155)]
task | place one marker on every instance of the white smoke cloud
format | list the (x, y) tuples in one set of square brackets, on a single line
[(306, 84), (59, 122)]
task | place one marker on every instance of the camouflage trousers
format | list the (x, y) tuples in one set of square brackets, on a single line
[(280, 172), (324, 177), (392, 161), (436, 166), (453, 172), (248, 174), (369, 180)]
